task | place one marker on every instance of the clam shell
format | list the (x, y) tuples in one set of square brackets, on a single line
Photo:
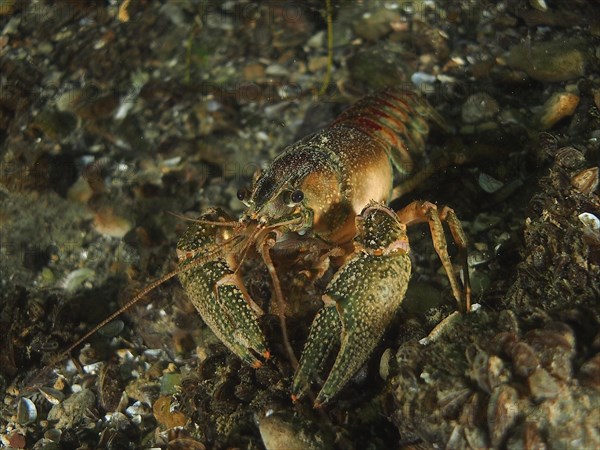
[(26, 411)]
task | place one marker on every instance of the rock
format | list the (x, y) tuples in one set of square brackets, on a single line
[(540, 5), (254, 71), (375, 70), (317, 40), (277, 70), (373, 26), (107, 222), (557, 60), (72, 410), (318, 63), (542, 385), (479, 107), (282, 430), (557, 107), (165, 416)]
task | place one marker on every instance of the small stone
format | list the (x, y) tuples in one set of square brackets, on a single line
[(376, 25), (77, 279), (317, 40), (80, 191), (375, 70), (542, 385), (557, 60), (557, 107), (489, 184), (108, 223), (73, 409), (318, 63), (586, 181), (254, 71), (169, 383), (479, 107), (45, 48), (540, 5), (277, 70), (17, 440), (163, 414)]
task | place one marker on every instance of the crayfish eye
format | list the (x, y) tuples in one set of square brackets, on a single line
[(243, 194), (297, 196), (294, 197)]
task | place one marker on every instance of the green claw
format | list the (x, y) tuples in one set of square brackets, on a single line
[(217, 293), (324, 334), (367, 291)]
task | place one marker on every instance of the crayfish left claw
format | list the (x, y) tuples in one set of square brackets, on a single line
[(366, 291), (217, 291)]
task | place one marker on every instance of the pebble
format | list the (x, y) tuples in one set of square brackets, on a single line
[(542, 385), (254, 71), (556, 108), (17, 440), (488, 183), (277, 70), (557, 60), (108, 223), (80, 191), (375, 70), (479, 107), (540, 5), (318, 63), (76, 279), (317, 40), (421, 78), (73, 409), (373, 26), (163, 414)]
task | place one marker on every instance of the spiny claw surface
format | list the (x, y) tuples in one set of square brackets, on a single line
[(360, 302), (216, 291), (324, 336)]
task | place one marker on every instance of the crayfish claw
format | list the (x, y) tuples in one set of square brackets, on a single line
[(217, 292), (324, 334), (366, 293)]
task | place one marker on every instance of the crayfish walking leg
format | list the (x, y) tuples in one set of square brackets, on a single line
[(423, 211)]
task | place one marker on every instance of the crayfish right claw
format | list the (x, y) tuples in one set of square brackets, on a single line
[(324, 334), (360, 302)]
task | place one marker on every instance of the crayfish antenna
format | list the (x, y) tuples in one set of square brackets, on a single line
[(133, 301), (230, 223), (114, 315)]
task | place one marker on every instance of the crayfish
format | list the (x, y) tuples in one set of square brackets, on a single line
[(333, 187)]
